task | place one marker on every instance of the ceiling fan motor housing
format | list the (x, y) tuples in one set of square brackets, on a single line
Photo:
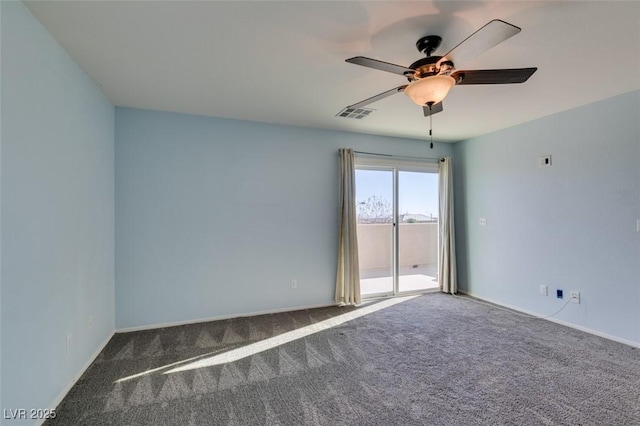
[(429, 66)]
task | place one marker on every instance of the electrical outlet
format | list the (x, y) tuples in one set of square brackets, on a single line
[(575, 297), (483, 221), (544, 290), (68, 343), (294, 284)]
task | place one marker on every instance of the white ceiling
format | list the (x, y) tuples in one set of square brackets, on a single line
[(283, 62)]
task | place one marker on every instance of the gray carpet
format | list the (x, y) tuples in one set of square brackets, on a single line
[(431, 360)]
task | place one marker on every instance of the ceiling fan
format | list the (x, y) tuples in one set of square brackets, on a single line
[(431, 78)]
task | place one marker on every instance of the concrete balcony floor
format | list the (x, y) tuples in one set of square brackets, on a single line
[(376, 281)]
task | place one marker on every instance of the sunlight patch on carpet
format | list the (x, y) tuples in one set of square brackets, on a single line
[(272, 342), (216, 358)]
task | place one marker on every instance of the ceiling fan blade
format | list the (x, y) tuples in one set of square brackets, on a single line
[(502, 76), (436, 108), (485, 38), (378, 97), (380, 65)]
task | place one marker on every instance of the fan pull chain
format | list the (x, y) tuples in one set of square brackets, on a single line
[(430, 125)]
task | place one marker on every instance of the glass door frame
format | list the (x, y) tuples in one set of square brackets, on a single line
[(396, 165)]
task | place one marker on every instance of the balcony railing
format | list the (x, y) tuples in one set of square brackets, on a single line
[(417, 256)]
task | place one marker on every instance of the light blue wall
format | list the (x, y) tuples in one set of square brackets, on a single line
[(57, 214), (570, 226), (215, 217)]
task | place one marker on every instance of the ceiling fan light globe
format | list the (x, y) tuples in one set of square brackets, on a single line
[(430, 89)]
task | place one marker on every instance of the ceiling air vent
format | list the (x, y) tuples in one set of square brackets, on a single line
[(357, 113)]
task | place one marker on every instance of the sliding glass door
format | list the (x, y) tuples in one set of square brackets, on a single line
[(397, 213), (375, 216), (417, 231)]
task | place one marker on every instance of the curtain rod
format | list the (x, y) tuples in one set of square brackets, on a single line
[(399, 156)]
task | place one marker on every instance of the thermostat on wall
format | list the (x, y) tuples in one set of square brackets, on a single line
[(544, 161)]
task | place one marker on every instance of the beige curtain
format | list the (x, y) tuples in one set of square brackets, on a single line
[(348, 276), (447, 258)]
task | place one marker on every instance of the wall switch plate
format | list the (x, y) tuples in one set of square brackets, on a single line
[(559, 294), (68, 343), (483, 221), (294, 284), (575, 297), (90, 323), (544, 290)]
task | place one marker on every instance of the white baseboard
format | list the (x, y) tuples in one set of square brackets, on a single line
[(555, 320), (596, 333), (73, 381), (222, 317)]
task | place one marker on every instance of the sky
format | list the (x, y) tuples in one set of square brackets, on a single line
[(417, 191)]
